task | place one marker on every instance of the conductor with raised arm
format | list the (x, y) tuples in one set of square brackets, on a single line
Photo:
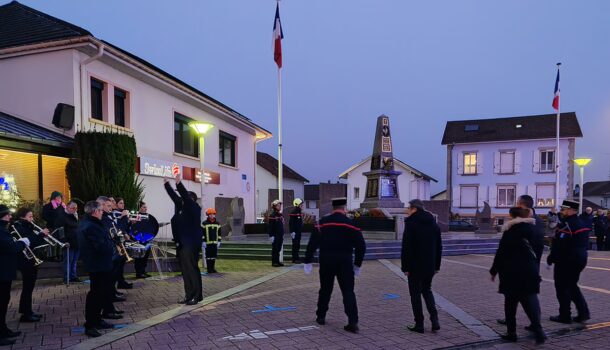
[(186, 227)]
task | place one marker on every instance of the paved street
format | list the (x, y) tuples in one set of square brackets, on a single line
[(276, 311)]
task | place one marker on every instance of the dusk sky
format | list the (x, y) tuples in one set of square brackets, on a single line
[(422, 63)]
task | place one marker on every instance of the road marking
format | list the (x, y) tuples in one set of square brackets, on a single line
[(390, 296), (271, 308), (460, 315), (594, 289), (257, 334), (588, 267), (133, 328), (606, 259)]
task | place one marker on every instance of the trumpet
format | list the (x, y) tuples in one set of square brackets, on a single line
[(28, 252), (133, 216), (120, 246), (52, 241)]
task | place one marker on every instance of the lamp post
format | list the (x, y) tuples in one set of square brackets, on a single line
[(581, 162), (201, 128)]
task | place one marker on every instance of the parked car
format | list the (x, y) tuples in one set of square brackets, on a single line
[(462, 225)]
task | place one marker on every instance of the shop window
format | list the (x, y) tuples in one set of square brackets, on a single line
[(54, 177), (226, 147), (19, 175), (185, 140)]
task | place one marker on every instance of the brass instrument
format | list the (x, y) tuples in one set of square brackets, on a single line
[(28, 252), (120, 246), (137, 216), (52, 241)]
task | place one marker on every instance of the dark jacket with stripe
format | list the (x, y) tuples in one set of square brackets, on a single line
[(295, 223), (338, 240), (211, 231), (276, 225), (96, 247), (9, 253), (569, 248), (422, 247)]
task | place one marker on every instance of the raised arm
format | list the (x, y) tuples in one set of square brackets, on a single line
[(172, 194)]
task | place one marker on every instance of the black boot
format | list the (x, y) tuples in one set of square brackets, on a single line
[(214, 266), (208, 262)]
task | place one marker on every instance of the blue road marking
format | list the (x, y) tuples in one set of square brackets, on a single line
[(271, 308), (390, 296)]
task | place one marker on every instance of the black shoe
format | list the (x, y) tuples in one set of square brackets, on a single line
[(29, 318), (559, 319), (416, 328), (125, 285), (112, 316), (277, 264), (435, 326), (353, 328), (140, 276), (501, 321), (119, 294), (118, 312), (182, 301), (4, 341), (511, 337), (7, 333), (37, 315), (92, 332), (320, 321), (118, 299), (192, 302), (104, 325), (540, 337), (75, 280), (581, 319)]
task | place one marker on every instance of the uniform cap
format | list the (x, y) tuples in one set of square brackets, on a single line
[(568, 204), (337, 202), (297, 202)]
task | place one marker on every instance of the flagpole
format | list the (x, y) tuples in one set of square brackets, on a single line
[(557, 152), (280, 168)]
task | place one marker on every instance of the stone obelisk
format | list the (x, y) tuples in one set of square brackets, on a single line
[(382, 183)]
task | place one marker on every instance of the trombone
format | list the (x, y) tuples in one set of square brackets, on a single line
[(52, 241), (28, 252)]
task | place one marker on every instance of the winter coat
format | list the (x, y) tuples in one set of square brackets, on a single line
[(515, 259), (95, 245), (295, 222), (70, 224), (9, 253), (338, 239), (50, 214), (276, 224), (26, 230), (422, 247), (569, 247), (600, 225)]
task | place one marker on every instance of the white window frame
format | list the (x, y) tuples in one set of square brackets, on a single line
[(545, 202), (507, 201), (469, 167), (356, 192), (544, 167), (476, 197), (512, 167)]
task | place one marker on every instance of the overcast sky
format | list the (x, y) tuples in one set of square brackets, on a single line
[(348, 61)]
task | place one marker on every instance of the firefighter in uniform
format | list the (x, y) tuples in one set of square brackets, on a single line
[(296, 227), (569, 254), (211, 239), (337, 238), (276, 232)]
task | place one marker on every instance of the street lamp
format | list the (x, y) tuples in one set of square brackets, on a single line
[(201, 128), (581, 162)]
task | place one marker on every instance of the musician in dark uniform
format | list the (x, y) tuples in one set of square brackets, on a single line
[(27, 267), (9, 253), (569, 254), (68, 220), (338, 239), (276, 232), (149, 225), (122, 223), (295, 225), (97, 250), (211, 239), (189, 222), (53, 209)]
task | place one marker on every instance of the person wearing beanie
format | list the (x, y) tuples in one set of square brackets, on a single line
[(9, 254), (52, 210), (211, 239)]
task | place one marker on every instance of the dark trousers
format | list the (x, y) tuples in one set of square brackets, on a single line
[(530, 305), (211, 251), (140, 264), (421, 286), (99, 293), (119, 269), (296, 246), (599, 242), (567, 290), (344, 271), (276, 247), (191, 275), (5, 298), (29, 275)]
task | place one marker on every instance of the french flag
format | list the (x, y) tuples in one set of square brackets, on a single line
[(556, 98), (278, 35)]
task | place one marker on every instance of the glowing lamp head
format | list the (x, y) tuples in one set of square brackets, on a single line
[(201, 128), (582, 161)]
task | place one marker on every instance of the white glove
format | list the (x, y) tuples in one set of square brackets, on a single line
[(204, 244), (292, 234), (218, 244), (356, 271), (25, 240), (307, 268), (271, 239)]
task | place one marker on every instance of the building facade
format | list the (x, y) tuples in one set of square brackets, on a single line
[(497, 160), (598, 193), (63, 69)]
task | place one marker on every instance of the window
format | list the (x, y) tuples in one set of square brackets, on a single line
[(54, 176), (120, 98), (185, 140), (312, 205), (97, 92), (356, 192), (19, 172), (226, 148), (506, 196), (547, 161), (507, 162), (545, 196), (469, 196), (470, 163)]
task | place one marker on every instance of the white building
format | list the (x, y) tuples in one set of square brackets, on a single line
[(266, 183), (412, 183), (497, 160), (45, 61), (598, 193)]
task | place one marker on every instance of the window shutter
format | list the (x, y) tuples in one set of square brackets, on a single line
[(531, 190), (482, 196), (536, 163), (456, 197), (496, 162), (520, 190), (479, 163), (460, 163), (493, 195), (517, 161)]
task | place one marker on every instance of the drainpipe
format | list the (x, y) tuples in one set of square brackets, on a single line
[(83, 83)]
